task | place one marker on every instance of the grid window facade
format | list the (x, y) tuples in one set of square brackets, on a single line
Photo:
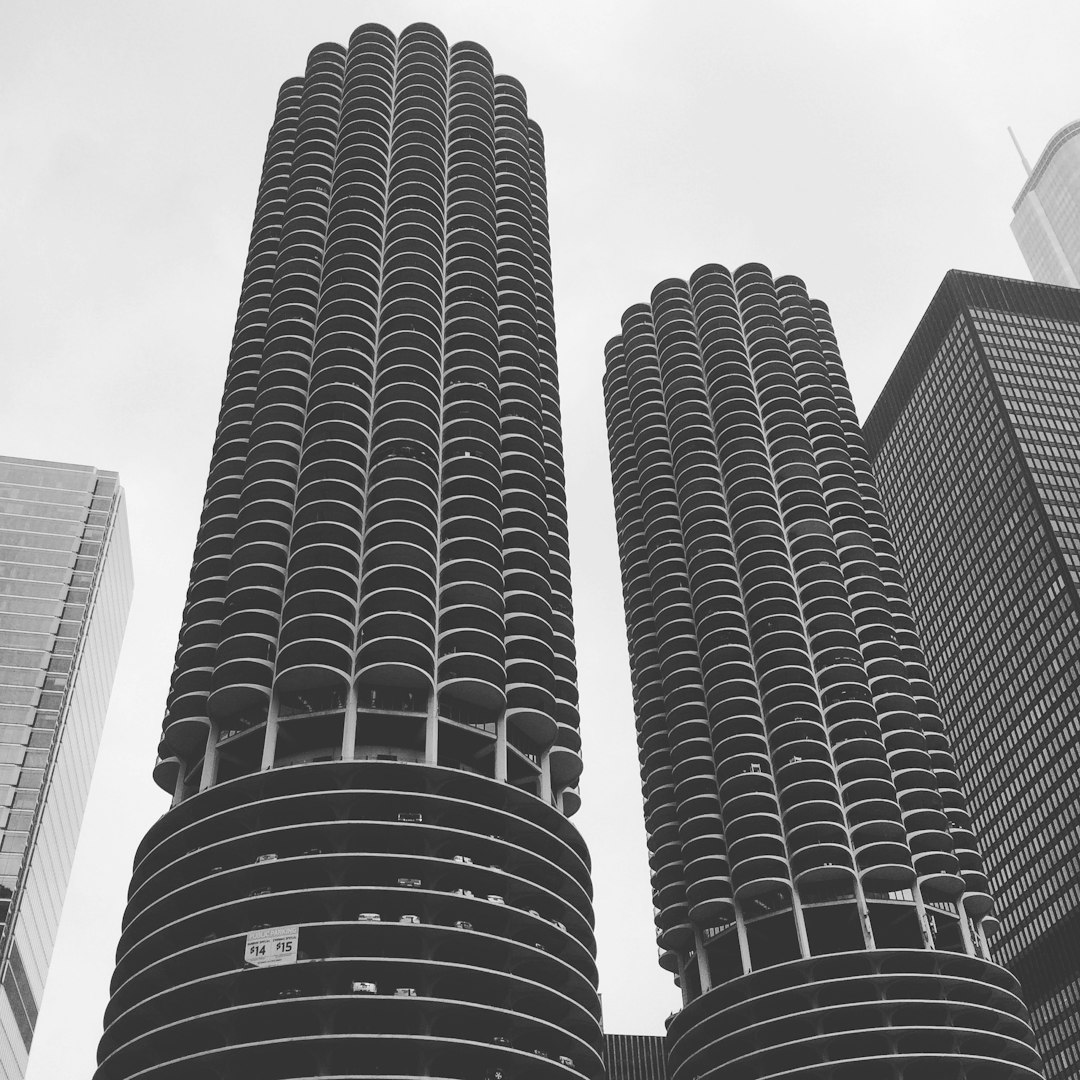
[(65, 589), (975, 443)]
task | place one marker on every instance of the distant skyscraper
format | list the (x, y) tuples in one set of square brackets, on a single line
[(65, 589), (976, 441), (817, 887), (1046, 214), (371, 738)]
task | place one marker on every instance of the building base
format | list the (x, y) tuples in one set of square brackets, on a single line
[(898, 1014), (433, 923)]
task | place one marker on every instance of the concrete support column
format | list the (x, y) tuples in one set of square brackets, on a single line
[(800, 923), (181, 777), (864, 915), (500, 747), (681, 960), (924, 921), (210, 758), (744, 940), (983, 940), (545, 775), (965, 931), (704, 972), (270, 735), (348, 731), (431, 735)]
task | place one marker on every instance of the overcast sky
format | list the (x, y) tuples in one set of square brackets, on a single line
[(860, 145)]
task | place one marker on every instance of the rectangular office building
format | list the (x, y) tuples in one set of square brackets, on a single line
[(65, 589), (976, 443)]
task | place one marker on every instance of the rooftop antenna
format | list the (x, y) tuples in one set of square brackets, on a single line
[(1016, 143)]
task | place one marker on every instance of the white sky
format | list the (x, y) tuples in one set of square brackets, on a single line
[(860, 145)]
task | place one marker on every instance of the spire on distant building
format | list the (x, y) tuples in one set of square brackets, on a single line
[(1016, 143)]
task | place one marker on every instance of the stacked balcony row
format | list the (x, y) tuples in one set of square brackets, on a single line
[(976, 896), (386, 503)]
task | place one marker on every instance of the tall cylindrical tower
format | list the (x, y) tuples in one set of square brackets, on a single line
[(817, 887), (371, 737)]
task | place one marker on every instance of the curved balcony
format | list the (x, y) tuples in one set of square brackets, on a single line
[(566, 767), (709, 892), (472, 677), (825, 860), (744, 774), (321, 655), (404, 481), (530, 709), (758, 862), (185, 735), (887, 862), (167, 769)]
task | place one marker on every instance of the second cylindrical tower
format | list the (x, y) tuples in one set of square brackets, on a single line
[(818, 892)]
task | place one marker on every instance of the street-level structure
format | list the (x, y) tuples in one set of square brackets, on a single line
[(818, 890), (976, 442), (371, 737), (65, 590), (1046, 213), (635, 1057)]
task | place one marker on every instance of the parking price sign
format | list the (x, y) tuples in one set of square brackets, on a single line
[(271, 946)]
